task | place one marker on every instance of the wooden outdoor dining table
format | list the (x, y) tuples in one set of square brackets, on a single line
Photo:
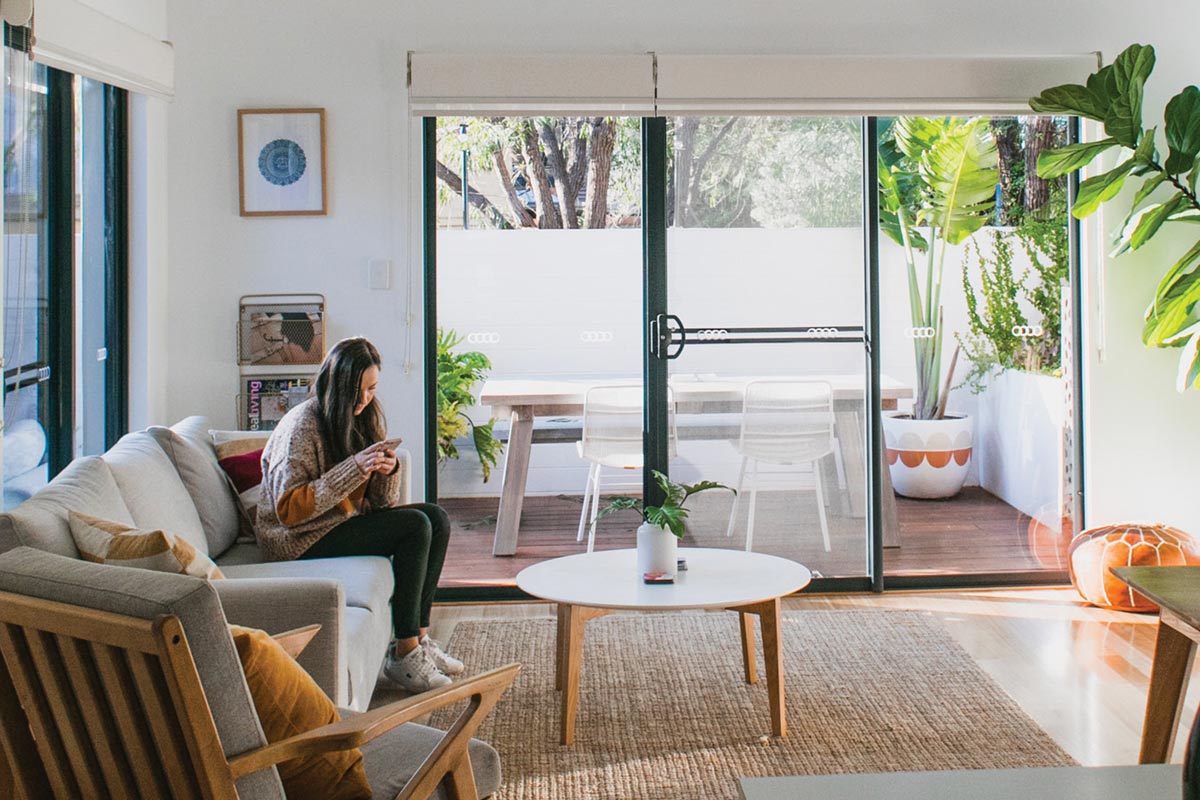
[(524, 400)]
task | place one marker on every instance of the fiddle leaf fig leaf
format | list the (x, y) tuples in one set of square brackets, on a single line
[(1179, 268), (1053, 163), (1171, 312), (1189, 361), (1183, 130), (1154, 218), (1123, 121), (1071, 98), (1098, 189), (1148, 188)]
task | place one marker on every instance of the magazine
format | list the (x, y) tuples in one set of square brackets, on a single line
[(268, 399)]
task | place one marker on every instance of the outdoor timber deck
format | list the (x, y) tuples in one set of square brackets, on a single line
[(973, 532)]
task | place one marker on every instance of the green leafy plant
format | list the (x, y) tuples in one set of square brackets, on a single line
[(457, 374), (1113, 96), (671, 515), (994, 309), (937, 186)]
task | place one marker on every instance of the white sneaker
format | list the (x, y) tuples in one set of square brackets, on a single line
[(445, 662), (416, 671)]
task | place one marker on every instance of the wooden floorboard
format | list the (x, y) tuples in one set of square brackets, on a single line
[(974, 532)]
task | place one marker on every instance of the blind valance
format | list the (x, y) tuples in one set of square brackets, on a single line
[(442, 84), (663, 84), (76, 37), (859, 85)]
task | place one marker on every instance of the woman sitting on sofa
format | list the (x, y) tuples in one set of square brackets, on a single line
[(331, 488)]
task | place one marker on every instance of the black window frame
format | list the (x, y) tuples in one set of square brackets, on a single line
[(58, 406)]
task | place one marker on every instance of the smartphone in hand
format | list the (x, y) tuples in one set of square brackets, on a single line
[(391, 444)]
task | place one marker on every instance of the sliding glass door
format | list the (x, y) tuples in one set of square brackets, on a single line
[(767, 374), (752, 297)]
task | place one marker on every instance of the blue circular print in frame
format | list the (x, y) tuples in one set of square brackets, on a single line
[(282, 162)]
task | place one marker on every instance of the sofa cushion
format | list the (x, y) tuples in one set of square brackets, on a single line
[(290, 703), (88, 485), (241, 553), (368, 636), (211, 492), (366, 580), (152, 489), (104, 542), (396, 756), (149, 595)]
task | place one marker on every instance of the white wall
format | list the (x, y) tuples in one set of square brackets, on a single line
[(349, 59)]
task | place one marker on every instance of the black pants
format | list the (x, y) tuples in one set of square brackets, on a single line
[(415, 538)]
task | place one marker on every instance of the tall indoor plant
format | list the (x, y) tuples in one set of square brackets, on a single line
[(937, 184), (1113, 96), (458, 372)]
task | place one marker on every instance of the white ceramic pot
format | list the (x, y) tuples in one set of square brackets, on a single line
[(656, 550), (928, 458)]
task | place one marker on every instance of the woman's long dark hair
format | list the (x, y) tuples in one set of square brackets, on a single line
[(337, 391)]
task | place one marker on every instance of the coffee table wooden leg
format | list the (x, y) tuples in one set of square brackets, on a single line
[(772, 634), (746, 623), (1173, 654), (560, 644), (769, 620)]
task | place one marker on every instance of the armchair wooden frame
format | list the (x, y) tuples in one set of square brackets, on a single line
[(95, 704)]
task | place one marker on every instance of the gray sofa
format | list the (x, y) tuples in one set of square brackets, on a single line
[(169, 478)]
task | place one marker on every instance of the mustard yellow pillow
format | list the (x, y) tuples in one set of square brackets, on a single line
[(102, 541), (289, 702)]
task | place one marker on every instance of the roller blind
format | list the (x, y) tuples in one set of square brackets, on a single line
[(859, 85), (445, 84), (75, 37)]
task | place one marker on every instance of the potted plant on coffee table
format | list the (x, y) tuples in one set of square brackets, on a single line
[(662, 525), (937, 185)]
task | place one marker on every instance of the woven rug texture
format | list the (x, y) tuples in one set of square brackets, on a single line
[(664, 711)]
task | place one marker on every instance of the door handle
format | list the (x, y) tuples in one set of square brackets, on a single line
[(660, 336)]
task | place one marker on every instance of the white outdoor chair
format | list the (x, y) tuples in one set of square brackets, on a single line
[(784, 422), (612, 437)]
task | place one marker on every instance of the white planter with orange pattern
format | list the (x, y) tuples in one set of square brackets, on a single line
[(928, 457)]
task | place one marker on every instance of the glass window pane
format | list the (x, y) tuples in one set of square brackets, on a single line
[(26, 311), (90, 248)]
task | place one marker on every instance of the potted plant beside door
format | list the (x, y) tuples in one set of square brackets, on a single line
[(937, 185)]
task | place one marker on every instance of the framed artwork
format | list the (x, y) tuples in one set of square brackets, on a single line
[(281, 161)]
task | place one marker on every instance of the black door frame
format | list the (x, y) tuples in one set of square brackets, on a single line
[(655, 373)]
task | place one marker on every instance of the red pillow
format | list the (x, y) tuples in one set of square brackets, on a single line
[(244, 469)]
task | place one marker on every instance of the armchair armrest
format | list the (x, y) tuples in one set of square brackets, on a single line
[(294, 641), (282, 604), (448, 759)]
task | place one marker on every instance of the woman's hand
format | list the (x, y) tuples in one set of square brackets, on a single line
[(377, 458)]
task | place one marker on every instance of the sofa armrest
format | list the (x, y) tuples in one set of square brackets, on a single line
[(276, 605), (405, 470)]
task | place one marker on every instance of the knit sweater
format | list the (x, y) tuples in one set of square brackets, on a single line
[(304, 495)]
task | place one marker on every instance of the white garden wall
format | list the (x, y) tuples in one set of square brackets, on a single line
[(532, 301)]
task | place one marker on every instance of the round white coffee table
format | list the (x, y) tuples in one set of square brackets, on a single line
[(591, 585)]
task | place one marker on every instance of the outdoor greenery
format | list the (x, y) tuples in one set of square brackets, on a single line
[(457, 375), (739, 172), (937, 181), (671, 515), (1113, 96), (998, 306)]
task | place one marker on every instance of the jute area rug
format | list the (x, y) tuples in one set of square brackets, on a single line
[(665, 713)]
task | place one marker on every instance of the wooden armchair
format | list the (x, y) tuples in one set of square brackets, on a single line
[(101, 704)]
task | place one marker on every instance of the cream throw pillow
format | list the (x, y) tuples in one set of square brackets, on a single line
[(103, 542)]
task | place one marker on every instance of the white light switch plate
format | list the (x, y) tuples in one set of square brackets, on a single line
[(379, 273)]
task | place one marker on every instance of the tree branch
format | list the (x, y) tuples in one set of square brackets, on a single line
[(474, 197)]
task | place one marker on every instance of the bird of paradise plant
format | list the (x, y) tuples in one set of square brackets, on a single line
[(937, 186)]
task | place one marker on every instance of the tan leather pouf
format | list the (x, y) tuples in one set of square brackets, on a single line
[(1096, 551)]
